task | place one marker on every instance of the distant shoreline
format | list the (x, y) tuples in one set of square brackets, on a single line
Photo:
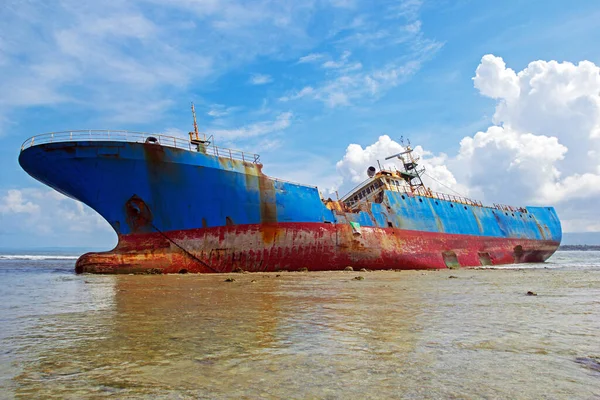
[(579, 247)]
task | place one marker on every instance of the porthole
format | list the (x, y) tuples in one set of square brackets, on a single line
[(465, 207), (402, 197), (513, 215), (530, 216), (451, 205), (420, 200), (436, 203), (506, 214)]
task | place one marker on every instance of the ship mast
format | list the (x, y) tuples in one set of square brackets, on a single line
[(410, 173), (194, 136), (195, 124)]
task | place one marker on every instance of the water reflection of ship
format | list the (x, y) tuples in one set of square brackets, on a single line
[(283, 328), (200, 333)]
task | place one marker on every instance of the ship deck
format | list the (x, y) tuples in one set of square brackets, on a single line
[(101, 135)]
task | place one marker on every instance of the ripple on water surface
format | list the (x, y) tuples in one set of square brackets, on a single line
[(408, 334)]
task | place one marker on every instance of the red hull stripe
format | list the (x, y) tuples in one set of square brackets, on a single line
[(315, 246)]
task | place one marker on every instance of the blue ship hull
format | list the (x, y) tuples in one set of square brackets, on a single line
[(180, 210)]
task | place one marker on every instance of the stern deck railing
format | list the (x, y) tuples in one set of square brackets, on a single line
[(139, 137)]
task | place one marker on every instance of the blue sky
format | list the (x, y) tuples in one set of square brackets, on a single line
[(298, 82)]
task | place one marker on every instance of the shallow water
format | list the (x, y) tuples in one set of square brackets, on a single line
[(409, 334)]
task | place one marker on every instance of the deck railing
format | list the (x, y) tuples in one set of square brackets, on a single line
[(138, 137), (456, 199), (511, 209)]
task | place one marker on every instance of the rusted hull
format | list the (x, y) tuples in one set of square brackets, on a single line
[(314, 246)]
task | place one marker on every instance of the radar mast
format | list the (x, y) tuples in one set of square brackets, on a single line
[(410, 171)]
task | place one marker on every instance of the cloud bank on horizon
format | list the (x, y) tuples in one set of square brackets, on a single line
[(322, 89)]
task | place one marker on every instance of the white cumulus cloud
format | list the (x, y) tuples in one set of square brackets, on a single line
[(543, 147), (353, 166)]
